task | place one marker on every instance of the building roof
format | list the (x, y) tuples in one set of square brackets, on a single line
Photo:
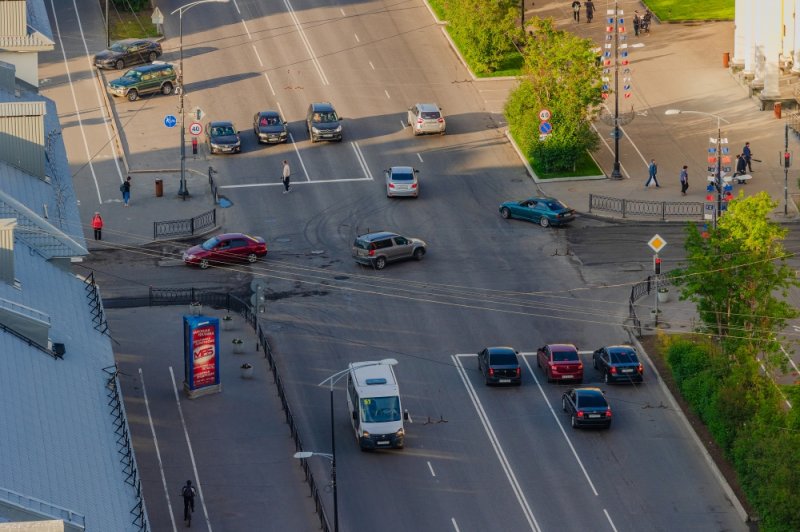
[(38, 36)]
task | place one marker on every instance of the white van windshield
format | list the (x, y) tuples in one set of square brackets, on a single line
[(380, 409)]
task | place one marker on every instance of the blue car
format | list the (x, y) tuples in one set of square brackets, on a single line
[(544, 211)]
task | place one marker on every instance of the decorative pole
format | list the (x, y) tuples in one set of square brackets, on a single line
[(616, 38)]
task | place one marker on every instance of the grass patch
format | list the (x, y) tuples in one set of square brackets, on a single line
[(129, 26), (675, 10), (438, 8), (584, 166)]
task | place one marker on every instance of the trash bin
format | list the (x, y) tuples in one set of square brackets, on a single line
[(726, 59), (777, 109), (159, 188)]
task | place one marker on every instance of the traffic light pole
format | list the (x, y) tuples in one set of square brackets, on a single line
[(786, 162), (657, 270)]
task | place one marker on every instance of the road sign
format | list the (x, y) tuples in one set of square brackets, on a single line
[(196, 128), (157, 17), (544, 115), (616, 133), (170, 120), (545, 128), (656, 243), (198, 114)]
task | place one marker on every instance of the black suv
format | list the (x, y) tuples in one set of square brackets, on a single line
[(500, 365), (378, 249), (147, 79), (323, 123), (128, 52)]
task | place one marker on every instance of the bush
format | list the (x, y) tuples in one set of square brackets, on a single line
[(134, 5), (486, 30)]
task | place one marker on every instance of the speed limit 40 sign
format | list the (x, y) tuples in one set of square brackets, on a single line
[(544, 115), (196, 128)]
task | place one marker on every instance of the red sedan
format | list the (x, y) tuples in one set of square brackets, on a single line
[(560, 362), (224, 249)]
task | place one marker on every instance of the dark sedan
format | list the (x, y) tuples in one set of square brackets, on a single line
[(222, 137), (128, 52), (225, 249), (500, 365), (618, 363), (269, 127), (544, 211), (587, 407)]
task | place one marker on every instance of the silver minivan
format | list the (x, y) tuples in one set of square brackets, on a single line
[(426, 118), (379, 249)]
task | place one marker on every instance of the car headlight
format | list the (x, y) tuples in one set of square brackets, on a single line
[(338, 129), (400, 432), (314, 129), (365, 434), (190, 257)]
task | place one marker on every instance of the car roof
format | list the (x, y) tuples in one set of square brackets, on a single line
[(322, 106), (402, 169), (155, 65), (219, 123), (370, 237), (618, 348), (226, 236), (589, 391), (126, 41), (501, 350), (540, 198), (268, 112), (562, 347), (428, 107)]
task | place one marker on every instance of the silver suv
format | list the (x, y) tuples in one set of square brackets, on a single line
[(378, 249), (426, 118)]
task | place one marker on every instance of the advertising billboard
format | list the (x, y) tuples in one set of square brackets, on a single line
[(200, 352)]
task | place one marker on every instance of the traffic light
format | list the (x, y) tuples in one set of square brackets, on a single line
[(787, 159), (657, 264)]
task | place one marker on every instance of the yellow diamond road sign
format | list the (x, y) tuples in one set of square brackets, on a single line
[(656, 243)]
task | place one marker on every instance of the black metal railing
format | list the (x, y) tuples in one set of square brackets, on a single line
[(186, 227), (99, 321), (656, 209), (638, 291)]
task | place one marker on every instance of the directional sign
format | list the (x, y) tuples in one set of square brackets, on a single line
[(196, 128), (197, 113), (157, 17), (170, 120), (544, 115), (656, 243), (545, 128)]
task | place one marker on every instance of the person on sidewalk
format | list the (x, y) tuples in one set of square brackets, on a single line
[(652, 170), (286, 177), (684, 179), (125, 188), (747, 154), (647, 19), (576, 11), (637, 21), (97, 225), (589, 6), (741, 168)]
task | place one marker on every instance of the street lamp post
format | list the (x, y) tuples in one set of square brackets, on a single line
[(718, 171), (333, 379), (183, 191)]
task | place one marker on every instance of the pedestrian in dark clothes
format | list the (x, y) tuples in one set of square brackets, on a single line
[(637, 21), (652, 170), (747, 154), (125, 188), (684, 179), (741, 168), (188, 492), (97, 225), (576, 11), (286, 177), (589, 6)]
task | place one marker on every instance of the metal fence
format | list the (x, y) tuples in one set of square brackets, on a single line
[(656, 209), (638, 291), (186, 227)]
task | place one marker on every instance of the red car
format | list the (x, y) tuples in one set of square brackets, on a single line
[(560, 362), (224, 249)]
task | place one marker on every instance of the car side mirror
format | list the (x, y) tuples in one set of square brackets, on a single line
[(355, 415), (416, 171), (406, 417)]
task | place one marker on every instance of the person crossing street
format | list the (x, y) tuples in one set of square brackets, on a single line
[(286, 177), (652, 170), (188, 492)]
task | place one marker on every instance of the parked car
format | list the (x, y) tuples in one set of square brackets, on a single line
[(618, 363), (128, 52), (225, 249), (222, 137), (147, 79), (426, 118), (500, 365), (402, 181), (379, 249), (270, 127), (322, 122), (545, 211), (587, 407), (560, 362)]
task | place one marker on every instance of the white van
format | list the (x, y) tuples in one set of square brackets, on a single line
[(373, 398)]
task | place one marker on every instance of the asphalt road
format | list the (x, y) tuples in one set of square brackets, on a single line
[(476, 458)]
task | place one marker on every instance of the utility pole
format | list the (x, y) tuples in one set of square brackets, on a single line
[(787, 159)]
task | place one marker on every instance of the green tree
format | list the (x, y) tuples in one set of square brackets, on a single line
[(485, 28), (738, 278), (560, 73)]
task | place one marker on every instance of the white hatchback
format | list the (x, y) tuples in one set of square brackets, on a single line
[(426, 118), (402, 181)]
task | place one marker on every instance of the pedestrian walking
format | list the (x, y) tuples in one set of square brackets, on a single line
[(741, 168), (97, 225), (748, 155), (652, 170), (576, 11), (644, 25), (637, 22), (125, 188), (286, 177), (188, 492), (684, 179), (589, 6)]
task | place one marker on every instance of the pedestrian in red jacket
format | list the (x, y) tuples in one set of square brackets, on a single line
[(97, 225)]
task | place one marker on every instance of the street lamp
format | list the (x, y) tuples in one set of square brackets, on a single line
[(718, 172), (333, 379), (183, 191)]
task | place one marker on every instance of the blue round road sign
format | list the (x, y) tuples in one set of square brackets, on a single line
[(170, 121), (545, 128)]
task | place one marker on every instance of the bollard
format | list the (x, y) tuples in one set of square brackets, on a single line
[(159, 188), (777, 110), (726, 59), (194, 145)]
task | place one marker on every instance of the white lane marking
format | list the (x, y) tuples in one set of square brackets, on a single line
[(305, 42), (270, 85), (611, 150), (455, 525), (247, 30), (387, 94), (420, 158), (356, 36), (585, 352), (630, 140), (498, 449), (361, 159), (371, 65), (260, 63), (280, 110), (317, 182), (789, 358), (610, 522), (431, 468), (191, 452), (158, 452), (558, 421), (403, 124), (237, 7), (342, 12), (302, 164)]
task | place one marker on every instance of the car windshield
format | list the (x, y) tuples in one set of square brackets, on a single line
[(221, 131), (402, 176), (210, 244), (325, 117), (588, 400), (556, 205), (503, 359), (117, 47), (132, 74), (431, 115), (269, 121), (380, 409), (565, 356), (623, 357)]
